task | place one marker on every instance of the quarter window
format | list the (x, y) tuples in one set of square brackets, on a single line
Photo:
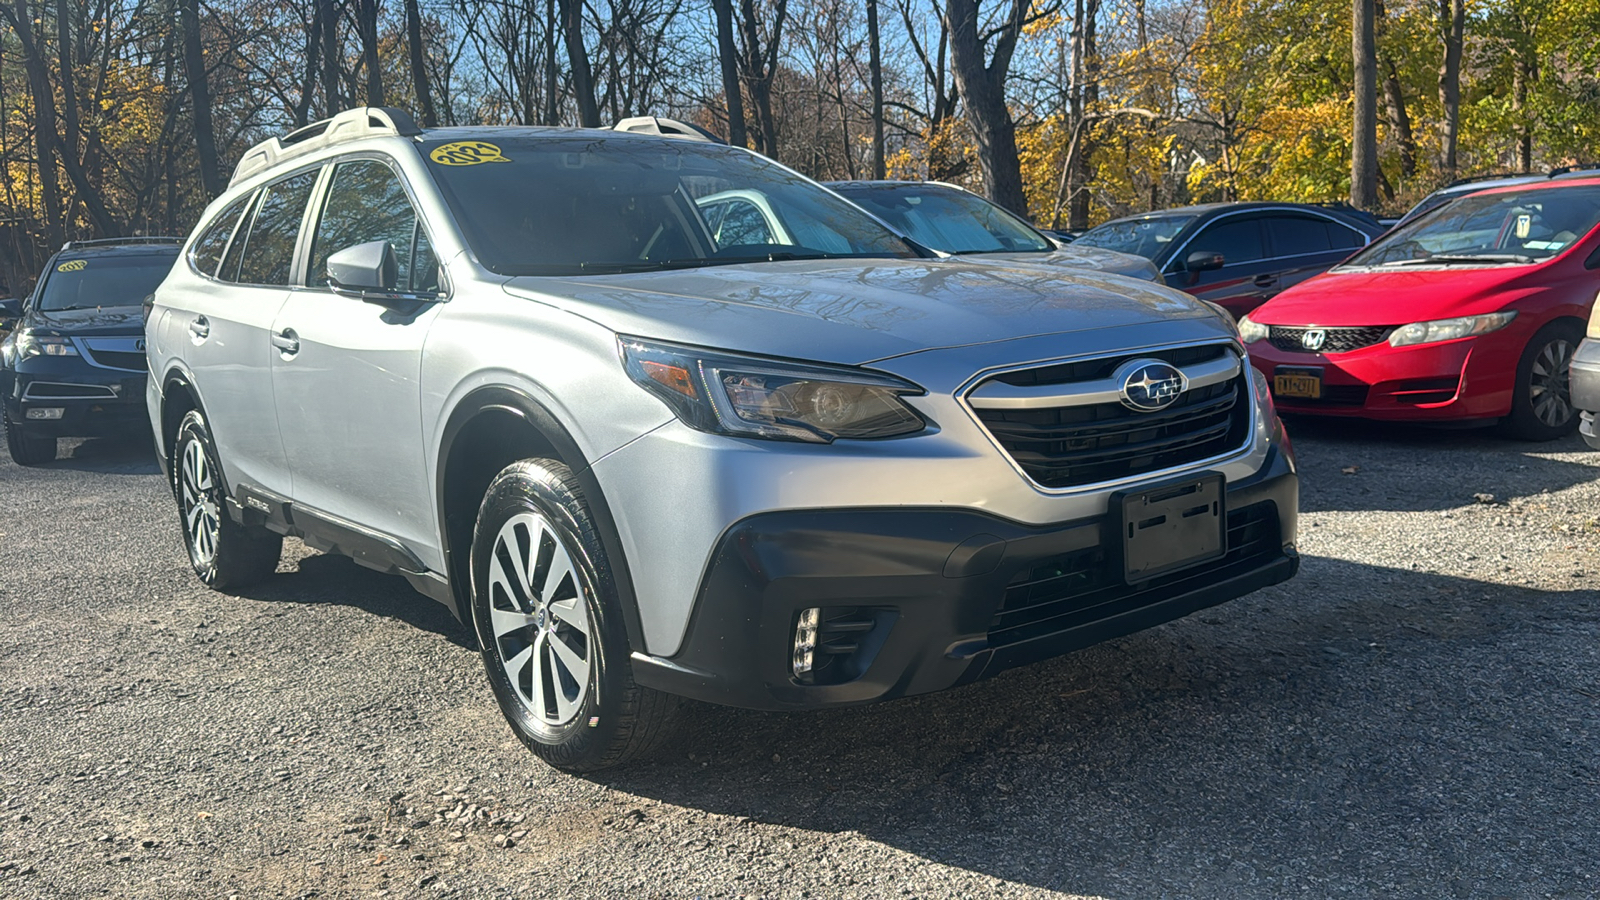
[(206, 254), (268, 253), (366, 203)]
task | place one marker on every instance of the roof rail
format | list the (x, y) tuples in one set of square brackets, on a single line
[(361, 122), (667, 128), (111, 242)]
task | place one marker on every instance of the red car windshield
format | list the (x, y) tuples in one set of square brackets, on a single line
[(1517, 227)]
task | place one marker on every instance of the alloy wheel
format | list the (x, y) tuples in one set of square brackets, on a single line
[(540, 619), (1549, 392), (201, 509)]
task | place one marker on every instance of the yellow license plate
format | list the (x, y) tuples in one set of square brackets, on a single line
[(1308, 387)]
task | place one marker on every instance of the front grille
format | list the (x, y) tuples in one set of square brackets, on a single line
[(47, 390), (1336, 340), (1087, 586), (118, 359), (1094, 369), (1068, 446)]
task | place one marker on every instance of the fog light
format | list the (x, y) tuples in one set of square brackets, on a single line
[(47, 412), (805, 640)]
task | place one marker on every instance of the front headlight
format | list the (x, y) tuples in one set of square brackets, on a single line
[(30, 345), (767, 398), (1252, 331), (1449, 329)]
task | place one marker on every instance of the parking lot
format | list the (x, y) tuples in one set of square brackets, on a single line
[(1417, 714)]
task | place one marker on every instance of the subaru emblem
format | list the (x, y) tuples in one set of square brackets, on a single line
[(1313, 339), (1149, 385)]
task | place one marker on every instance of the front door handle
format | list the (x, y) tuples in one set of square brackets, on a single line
[(287, 342), (200, 328), (1266, 281)]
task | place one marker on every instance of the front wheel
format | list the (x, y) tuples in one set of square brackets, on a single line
[(1541, 407), (225, 554), (549, 620), (28, 449)]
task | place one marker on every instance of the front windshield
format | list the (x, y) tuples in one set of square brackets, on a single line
[(1492, 229), (948, 220), (1146, 236), (586, 205), (102, 281)]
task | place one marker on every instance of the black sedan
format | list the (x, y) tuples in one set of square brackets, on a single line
[(73, 364), (1237, 255)]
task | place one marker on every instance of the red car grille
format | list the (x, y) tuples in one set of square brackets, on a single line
[(1334, 340)]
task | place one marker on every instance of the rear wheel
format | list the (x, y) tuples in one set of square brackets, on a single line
[(224, 553), (28, 449), (1541, 407), (549, 620)]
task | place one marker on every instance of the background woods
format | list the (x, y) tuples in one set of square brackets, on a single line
[(126, 116)]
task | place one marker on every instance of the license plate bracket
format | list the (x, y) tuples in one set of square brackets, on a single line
[(1302, 383), (1172, 526)]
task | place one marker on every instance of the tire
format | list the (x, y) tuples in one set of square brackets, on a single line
[(224, 553), (1541, 405), (28, 449), (549, 621)]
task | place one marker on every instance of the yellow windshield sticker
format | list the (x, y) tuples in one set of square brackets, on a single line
[(75, 265), (466, 153)]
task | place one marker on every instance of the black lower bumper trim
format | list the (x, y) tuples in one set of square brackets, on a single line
[(949, 596)]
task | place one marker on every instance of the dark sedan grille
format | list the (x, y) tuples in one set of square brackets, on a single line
[(115, 359), (1335, 340), (1066, 446), (1080, 588)]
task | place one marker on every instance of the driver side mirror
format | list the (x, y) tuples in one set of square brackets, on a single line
[(369, 272), (1203, 261)]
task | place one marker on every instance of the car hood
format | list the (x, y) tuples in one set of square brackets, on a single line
[(854, 311), (1081, 257), (1365, 297), (105, 320)]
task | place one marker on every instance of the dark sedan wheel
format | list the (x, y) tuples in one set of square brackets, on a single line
[(28, 449), (1541, 407), (549, 621), (224, 553)]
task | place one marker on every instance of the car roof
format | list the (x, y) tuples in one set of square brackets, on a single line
[(1544, 184), (1205, 209), (121, 247)]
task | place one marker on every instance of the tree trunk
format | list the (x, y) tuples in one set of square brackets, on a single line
[(875, 77), (1400, 120), (1364, 138), (67, 148), (368, 10), (732, 93), (44, 119), (332, 57), (1086, 89), (194, 70), (308, 86), (578, 59), (760, 68), (1522, 73), (983, 89), (419, 65), (1453, 15), (552, 70)]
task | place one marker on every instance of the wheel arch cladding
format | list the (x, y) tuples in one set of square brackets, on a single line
[(177, 399), (488, 430)]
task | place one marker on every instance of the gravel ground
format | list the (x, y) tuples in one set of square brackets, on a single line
[(1418, 714)]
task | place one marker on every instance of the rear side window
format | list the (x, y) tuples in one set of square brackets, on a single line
[(206, 253), (268, 247), (366, 203), (1299, 235), (1238, 240)]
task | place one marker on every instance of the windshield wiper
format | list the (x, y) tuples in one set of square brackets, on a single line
[(1466, 258)]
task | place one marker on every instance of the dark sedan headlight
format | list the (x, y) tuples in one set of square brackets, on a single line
[(29, 345), (769, 398)]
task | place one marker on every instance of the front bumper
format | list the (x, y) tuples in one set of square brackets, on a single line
[(1585, 383), (93, 402), (1472, 378), (951, 596)]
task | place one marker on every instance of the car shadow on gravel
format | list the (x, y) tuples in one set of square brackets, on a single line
[(1358, 726), (334, 579), (124, 455), (1354, 466)]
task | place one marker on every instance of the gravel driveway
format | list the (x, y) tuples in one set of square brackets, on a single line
[(1418, 714)]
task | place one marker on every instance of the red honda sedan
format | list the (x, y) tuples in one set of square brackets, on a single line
[(1469, 313)]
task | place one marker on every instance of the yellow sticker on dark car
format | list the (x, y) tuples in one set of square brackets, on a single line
[(466, 153), (73, 265)]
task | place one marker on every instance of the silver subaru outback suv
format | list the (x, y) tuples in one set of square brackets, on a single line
[(513, 366)]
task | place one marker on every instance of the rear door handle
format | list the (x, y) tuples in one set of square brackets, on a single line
[(200, 328), (287, 342)]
